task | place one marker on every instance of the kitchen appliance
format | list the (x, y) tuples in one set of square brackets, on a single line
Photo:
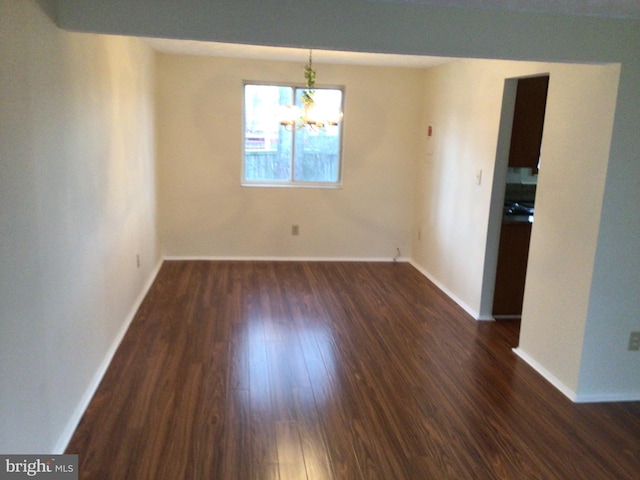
[(518, 208)]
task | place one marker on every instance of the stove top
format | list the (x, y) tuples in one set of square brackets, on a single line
[(518, 208)]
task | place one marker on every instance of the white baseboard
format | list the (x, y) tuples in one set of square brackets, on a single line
[(476, 315), (551, 378), (569, 393), (73, 422), (607, 397), (281, 259)]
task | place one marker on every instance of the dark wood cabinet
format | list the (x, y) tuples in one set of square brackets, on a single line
[(528, 122), (512, 269)]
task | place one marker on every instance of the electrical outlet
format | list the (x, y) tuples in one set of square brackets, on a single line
[(138, 261), (295, 229), (634, 341)]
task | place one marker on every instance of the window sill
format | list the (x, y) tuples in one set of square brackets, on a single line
[(326, 186)]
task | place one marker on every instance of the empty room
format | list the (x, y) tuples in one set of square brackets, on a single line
[(199, 281)]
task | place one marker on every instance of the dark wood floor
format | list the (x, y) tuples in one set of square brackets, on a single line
[(265, 370)]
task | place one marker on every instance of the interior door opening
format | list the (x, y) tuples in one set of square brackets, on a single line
[(513, 196)]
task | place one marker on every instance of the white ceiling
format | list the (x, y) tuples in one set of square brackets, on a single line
[(255, 52)]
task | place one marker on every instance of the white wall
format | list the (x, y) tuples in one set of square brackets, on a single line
[(411, 27), (608, 370), (77, 205), (204, 212), (463, 101), (462, 105), (575, 150)]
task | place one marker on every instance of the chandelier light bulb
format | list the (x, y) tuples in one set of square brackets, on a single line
[(314, 116)]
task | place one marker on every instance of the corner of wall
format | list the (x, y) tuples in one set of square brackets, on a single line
[(93, 385)]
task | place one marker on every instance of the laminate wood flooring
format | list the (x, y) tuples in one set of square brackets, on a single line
[(294, 370)]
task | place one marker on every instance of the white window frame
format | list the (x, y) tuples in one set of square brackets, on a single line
[(292, 183)]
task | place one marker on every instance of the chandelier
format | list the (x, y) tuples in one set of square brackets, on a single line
[(311, 115)]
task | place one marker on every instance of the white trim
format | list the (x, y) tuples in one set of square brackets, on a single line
[(551, 378), (607, 397), (72, 424), (281, 259), (569, 393), (476, 315), (291, 183)]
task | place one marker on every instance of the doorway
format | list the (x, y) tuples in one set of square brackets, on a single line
[(513, 194)]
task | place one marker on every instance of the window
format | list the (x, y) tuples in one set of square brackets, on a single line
[(278, 156)]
